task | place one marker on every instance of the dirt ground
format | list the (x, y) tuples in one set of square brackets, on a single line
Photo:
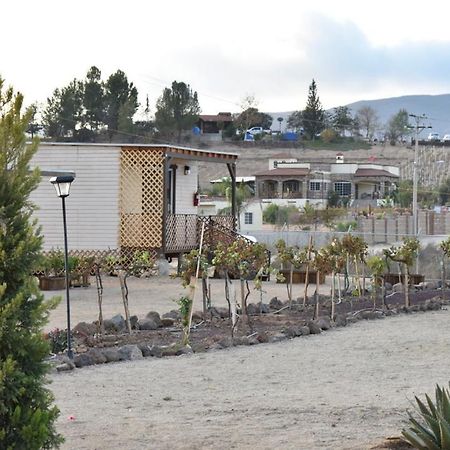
[(344, 389), (152, 294)]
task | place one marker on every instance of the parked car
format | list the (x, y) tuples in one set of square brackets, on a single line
[(433, 137), (258, 130), (446, 138)]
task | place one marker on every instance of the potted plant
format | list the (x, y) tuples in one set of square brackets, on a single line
[(52, 271)]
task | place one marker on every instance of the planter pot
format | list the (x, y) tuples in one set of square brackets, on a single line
[(81, 280), (299, 276), (52, 283), (394, 278)]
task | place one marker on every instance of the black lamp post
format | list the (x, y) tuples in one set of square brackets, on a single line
[(62, 187)]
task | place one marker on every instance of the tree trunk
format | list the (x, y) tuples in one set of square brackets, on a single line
[(316, 294), (305, 294), (291, 276), (124, 290), (406, 285)]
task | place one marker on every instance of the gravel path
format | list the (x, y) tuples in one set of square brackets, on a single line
[(345, 389)]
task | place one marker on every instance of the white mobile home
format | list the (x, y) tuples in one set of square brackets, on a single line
[(125, 196)]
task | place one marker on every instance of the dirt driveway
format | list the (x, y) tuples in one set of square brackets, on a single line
[(344, 389)]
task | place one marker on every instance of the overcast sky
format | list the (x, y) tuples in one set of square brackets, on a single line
[(355, 50)]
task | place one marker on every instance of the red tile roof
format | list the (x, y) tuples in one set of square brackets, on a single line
[(284, 172), (374, 173)]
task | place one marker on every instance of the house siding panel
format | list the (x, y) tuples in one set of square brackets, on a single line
[(92, 207), (186, 187)]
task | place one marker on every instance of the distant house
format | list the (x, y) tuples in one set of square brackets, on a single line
[(288, 181), (212, 126), (126, 197)]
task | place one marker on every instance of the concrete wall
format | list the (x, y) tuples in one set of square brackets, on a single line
[(93, 204)]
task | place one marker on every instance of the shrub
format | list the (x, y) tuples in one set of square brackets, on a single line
[(432, 429)]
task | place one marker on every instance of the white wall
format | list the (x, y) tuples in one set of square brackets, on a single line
[(186, 186), (93, 204)]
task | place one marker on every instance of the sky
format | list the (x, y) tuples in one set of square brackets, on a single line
[(355, 50)]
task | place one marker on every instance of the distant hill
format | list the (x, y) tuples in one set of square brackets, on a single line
[(435, 107)]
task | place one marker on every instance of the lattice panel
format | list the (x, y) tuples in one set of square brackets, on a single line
[(141, 197)]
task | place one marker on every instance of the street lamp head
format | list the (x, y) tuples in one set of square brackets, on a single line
[(62, 185)]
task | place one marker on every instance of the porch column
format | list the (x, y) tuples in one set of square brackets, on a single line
[(167, 162), (280, 188), (232, 170)]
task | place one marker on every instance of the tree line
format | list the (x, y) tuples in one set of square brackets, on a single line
[(93, 109)]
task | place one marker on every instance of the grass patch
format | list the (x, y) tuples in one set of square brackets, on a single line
[(341, 145)]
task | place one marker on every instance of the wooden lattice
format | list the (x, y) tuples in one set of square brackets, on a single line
[(141, 197)]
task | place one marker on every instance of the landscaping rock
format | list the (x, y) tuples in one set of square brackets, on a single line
[(167, 322), (130, 352), (64, 367), (293, 331), (148, 324), (185, 350), (398, 287), (368, 315), (433, 304), (219, 312), (265, 308), (170, 350), (134, 321), (252, 309), (226, 342), (388, 286), (112, 354), (83, 360), (340, 320), (115, 324), (263, 337), (174, 314), (314, 328), (145, 349), (277, 337), (324, 323), (85, 329), (197, 316), (153, 315), (305, 330), (97, 356), (275, 303)]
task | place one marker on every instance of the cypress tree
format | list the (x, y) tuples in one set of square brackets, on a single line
[(313, 117), (27, 416)]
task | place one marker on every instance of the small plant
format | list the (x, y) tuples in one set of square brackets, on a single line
[(184, 306), (58, 340), (432, 430)]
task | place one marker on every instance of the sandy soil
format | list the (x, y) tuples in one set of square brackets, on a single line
[(345, 389)]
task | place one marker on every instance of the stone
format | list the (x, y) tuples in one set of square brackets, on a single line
[(388, 286), (252, 309), (398, 287), (304, 330), (368, 315), (314, 328), (130, 352), (340, 320), (64, 367), (163, 266), (83, 360), (324, 323), (433, 304), (134, 321), (145, 349), (197, 316), (153, 315), (112, 354), (226, 342), (173, 314), (115, 324), (170, 350), (415, 308), (275, 303), (292, 331), (185, 350), (265, 308), (148, 324), (219, 312), (97, 356), (277, 337), (167, 321), (155, 351), (85, 329), (263, 337)]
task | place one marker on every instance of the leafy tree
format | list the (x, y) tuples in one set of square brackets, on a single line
[(444, 192), (341, 120), (368, 120), (120, 102), (177, 110), (295, 121), (397, 126), (313, 115), (94, 99), (27, 417), (62, 116)]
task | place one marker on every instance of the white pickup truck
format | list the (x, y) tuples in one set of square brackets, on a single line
[(258, 130)]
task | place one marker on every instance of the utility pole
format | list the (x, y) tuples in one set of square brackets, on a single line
[(418, 128)]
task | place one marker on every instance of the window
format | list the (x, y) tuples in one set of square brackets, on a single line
[(248, 218), (343, 187), (315, 186)]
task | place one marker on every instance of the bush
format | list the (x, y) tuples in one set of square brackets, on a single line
[(328, 135), (432, 429), (280, 215)]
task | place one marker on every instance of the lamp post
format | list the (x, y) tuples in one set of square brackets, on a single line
[(62, 187)]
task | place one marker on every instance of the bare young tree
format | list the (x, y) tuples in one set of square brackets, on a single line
[(368, 120)]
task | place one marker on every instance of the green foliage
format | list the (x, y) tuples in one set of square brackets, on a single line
[(403, 195), (190, 262), (406, 253), (333, 199), (177, 110), (313, 115), (431, 430), (445, 247), (397, 126), (27, 417), (368, 120), (444, 192), (280, 215), (328, 135), (345, 226), (184, 306), (58, 340), (342, 120)]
